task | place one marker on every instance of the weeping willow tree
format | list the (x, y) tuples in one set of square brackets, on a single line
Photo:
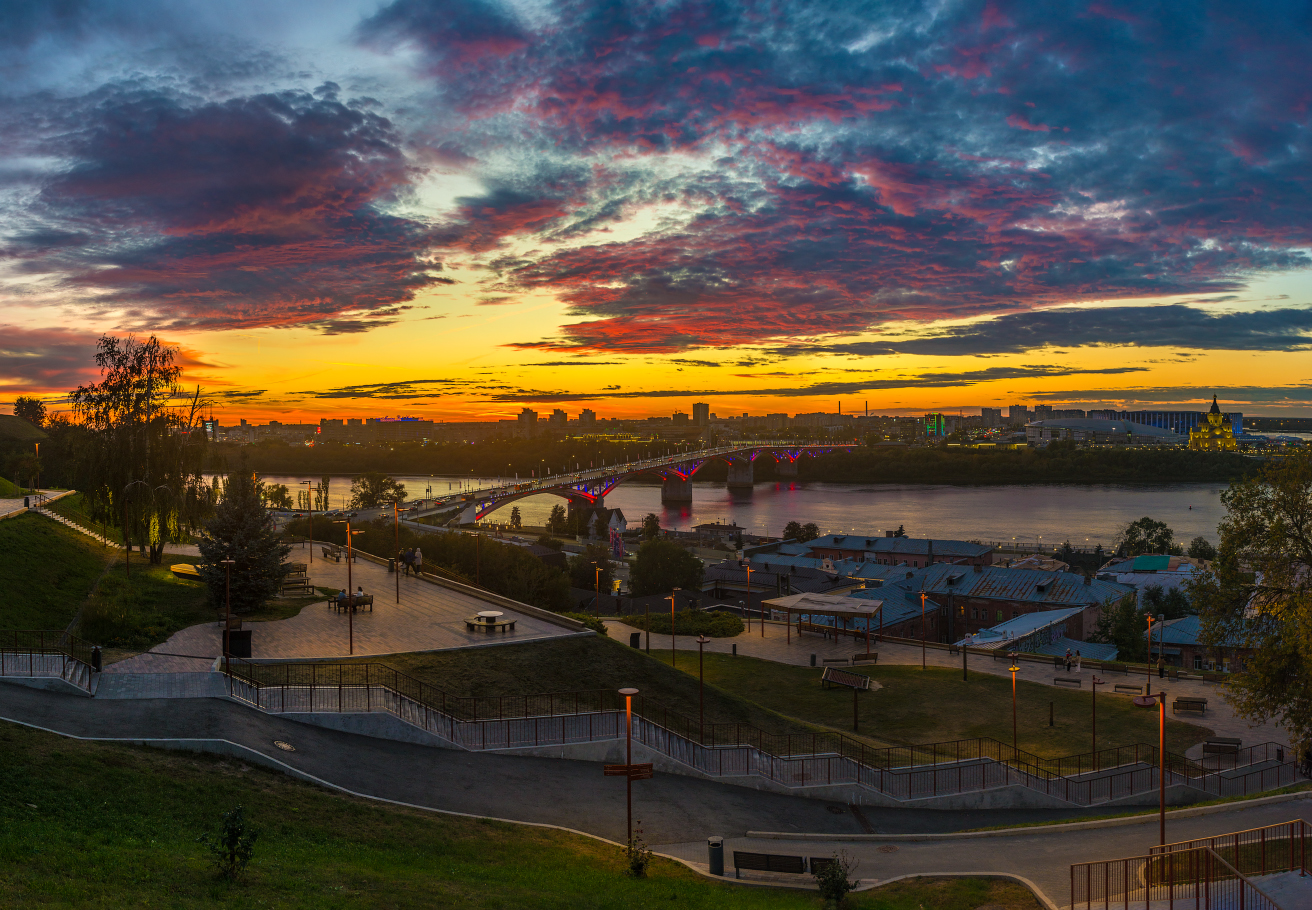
[(142, 469)]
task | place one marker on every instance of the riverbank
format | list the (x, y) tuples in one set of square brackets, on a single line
[(900, 465)]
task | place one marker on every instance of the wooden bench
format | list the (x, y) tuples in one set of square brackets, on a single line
[(1184, 703), (953, 650), (1059, 663), (354, 602), (1114, 668), (1070, 682), (864, 658), (295, 584), (1126, 689), (333, 553), (476, 624), (834, 676), (1222, 745), (767, 862), (834, 660)]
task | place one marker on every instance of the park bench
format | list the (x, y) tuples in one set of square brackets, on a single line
[(767, 862), (1222, 745), (482, 624), (834, 660), (818, 863), (864, 658), (1114, 668), (333, 553), (1184, 703), (356, 602), (837, 677), (295, 584), (1126, 689), (1059, 662), (1069, 682), (953, 650)]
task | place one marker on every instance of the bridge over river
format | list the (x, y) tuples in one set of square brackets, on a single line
[(588, 489)]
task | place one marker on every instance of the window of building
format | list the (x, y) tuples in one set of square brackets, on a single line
[(999, 616), (1198, 661)]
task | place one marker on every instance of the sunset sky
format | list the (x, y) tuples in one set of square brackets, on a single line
[(458, 209)]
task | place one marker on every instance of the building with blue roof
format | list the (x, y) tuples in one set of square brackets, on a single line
[(1180, 642), (897, 551), (1039, 633)]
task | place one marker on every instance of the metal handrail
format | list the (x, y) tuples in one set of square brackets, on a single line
[(1198, 877)]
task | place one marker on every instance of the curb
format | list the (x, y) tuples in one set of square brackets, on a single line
[(255, 757), (1036, 829)]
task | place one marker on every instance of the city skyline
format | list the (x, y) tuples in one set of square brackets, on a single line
[(457, 210)]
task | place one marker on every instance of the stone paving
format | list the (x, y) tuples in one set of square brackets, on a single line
[(428, 618), (1220, 718)]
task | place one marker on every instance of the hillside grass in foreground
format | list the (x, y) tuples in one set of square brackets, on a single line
[(96, 825), (46, 572)]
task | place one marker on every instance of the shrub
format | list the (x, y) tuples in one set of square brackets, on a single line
[(231, 849), (833, 878), (638, 854), (592, 622), (691, 622)]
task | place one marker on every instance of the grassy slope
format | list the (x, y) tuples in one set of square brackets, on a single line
[(87, 824), (921, 706), (46, 571), (8, 490), (73, 507), (914, 706)]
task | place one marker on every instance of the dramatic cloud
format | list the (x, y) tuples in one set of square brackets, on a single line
[(826, 389), (258, 211), (36, 360), (1286, 329)]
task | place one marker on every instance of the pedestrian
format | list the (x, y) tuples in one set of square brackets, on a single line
[(1161, 667), (1068, 660), (408, 558), (1078, 660), (418, 560)]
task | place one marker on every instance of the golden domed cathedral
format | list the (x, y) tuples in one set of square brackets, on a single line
[(1216, 435)]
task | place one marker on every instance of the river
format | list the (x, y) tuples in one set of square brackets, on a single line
[(1044, 515)]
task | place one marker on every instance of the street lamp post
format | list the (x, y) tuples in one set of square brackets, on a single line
[(673, 650), (227, 608), (598, 573), (1093, 723), (701, 688), (1013, 669), (749, 602), (922, 630), (1151, 619), (628, 755), (350, 595), (309, 501), (396, 536), (1161, 770)]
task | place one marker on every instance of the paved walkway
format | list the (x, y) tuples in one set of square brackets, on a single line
[(678, 813), (1220, 718), (428, 618)]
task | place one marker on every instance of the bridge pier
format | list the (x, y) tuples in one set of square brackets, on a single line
[(785, 468), (674, 489), (741, 474)]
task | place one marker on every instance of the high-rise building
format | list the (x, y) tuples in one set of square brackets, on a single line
[(1018, 412), (528, 421), (558, 419), (992, 417), (1043, 412), (701, 414), (587, 418), (680, 419), (935, 425)]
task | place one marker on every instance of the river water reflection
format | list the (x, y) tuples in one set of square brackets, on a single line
[(1047, 514)]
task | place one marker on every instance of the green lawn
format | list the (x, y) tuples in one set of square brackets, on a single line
[(572, 664), (935, 705), (46, 570), (912, 705), (96, 825), (9, 491), (73, 507)]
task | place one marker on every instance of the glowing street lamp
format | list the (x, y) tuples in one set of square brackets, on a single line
[(701, 688), (673, 651), (227, 607), (922, 630), (1093, 724), (1013, 668), (309, 501)]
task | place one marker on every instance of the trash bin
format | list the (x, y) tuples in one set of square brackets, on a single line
[(715, 854), (813, 660), (26, 503), (95, 658), (635, 639), (735, 649), (391, 566)]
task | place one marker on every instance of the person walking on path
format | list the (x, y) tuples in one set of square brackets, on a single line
[(418, 560), (1068, 660), (408, 559), (1078, 660)]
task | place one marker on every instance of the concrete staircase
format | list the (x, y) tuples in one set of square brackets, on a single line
[(55, 516)]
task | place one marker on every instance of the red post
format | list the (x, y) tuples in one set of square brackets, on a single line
[(922, 632), (1161, 753)]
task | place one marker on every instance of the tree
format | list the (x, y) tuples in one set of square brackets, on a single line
[(1171, 603), (793, 530), (278, 496), (234, 845), (810, 531), (27, 467), (651, 526), (516, 520), (1145, 536), (557, 523), (33, 410), (1201, 548), (900, 532), (242, 529), (144, 461), (583, 568), (1123, 625), (373, 489), (1067, 552), (1257, 595), (662, 565)]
